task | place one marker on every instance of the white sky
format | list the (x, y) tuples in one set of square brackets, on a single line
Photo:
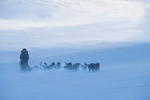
[(72, 23)]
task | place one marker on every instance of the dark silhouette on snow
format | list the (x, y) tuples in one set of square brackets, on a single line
[(24, 57), (58, 65), (73, 67), (68, 65), (93, 67)]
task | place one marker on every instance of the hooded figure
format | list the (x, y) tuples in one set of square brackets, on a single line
[(24, 57)]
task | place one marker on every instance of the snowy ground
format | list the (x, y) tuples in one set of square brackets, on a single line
[(117, 81), (115, 33)]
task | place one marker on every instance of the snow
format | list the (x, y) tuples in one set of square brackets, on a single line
[(122, 80), (113, 33)]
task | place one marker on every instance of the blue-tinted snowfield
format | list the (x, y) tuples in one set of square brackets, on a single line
[(114, 33), (122, 76)]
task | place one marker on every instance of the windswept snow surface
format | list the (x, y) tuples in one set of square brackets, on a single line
[(127, 79)]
